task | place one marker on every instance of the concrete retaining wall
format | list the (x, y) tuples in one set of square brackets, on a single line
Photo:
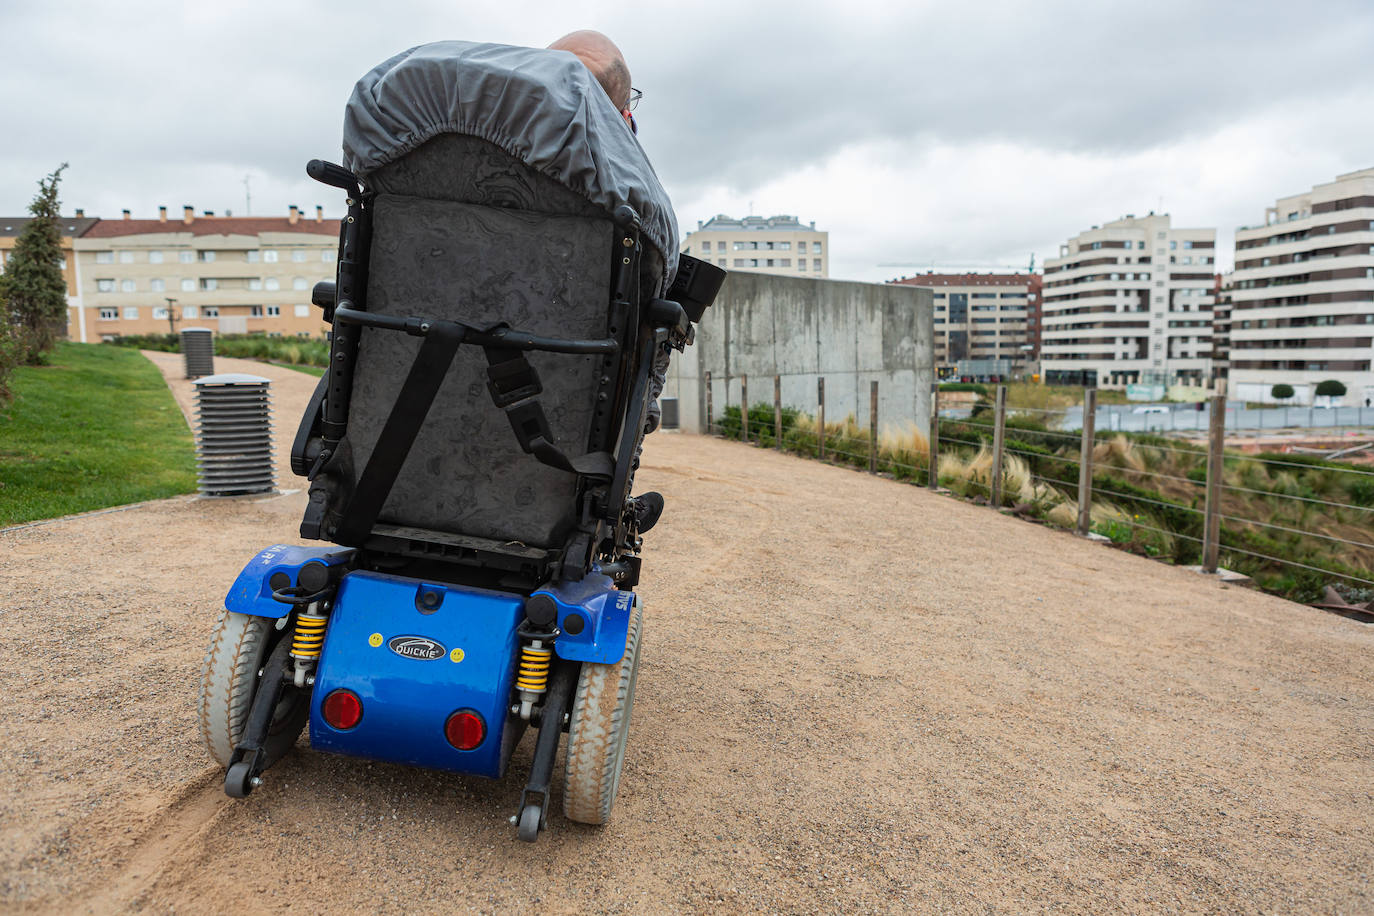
[(849, 333)]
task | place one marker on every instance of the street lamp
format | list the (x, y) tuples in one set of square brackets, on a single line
[(171, 315)]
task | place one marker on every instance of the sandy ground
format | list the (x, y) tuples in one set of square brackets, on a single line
[(856, 696)]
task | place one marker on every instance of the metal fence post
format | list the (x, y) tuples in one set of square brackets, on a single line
[(744, 406), (1216, 442), (777, 411), (999, 425), (873, 427), (1085, 462), (708, 404), (820, 414), (933, 442)]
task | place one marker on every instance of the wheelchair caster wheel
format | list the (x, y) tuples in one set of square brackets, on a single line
[(238, 782), (529, 823)]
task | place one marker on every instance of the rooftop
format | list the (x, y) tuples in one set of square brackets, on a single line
[(71, 226), (780, 223)]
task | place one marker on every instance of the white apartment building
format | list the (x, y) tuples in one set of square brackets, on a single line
[(1130, 302), (761, 244), (980, 316), (232, 274), (1303, 294)]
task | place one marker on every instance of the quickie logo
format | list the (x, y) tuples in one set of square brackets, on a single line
[(418, 647)]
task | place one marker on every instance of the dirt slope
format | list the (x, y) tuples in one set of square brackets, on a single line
[(855, 697)]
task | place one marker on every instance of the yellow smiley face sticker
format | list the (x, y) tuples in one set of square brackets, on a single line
[(374, 640), (456, 655)]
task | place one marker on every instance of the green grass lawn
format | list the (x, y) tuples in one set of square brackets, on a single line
[(96, 428), (316, 371)]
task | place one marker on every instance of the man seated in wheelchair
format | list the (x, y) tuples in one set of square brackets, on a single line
[(507, 295)]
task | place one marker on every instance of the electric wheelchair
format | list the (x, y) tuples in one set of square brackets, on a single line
[(501, 299)]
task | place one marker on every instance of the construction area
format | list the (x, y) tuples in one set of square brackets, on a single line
[(856, 695)]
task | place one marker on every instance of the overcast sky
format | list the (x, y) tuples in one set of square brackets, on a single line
[(931, 134)]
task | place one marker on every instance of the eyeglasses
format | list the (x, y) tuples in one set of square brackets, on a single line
[(635, 96)]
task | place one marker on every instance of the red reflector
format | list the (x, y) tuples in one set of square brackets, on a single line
[(342, 709), (465, 729)]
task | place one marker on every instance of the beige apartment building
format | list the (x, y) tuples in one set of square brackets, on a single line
[(1130, 302), (1302, 297), (981, 316), (761, 244), (234, 275)]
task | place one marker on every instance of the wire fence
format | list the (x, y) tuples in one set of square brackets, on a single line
[(1299, 525)]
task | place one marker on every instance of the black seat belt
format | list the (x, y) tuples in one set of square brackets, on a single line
[(398, 434)]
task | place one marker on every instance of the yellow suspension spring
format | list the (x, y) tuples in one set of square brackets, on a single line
[(309, 639), (534, 668)]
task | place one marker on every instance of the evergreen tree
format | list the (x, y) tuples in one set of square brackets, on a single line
[(33, 288)]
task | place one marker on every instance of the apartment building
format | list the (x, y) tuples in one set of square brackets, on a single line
[(234, 275), (981, 316), (761, 244), (71, 227), (1221, 333), (1129, 302), (1302, 305)]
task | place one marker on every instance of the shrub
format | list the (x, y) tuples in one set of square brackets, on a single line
[(1330, 388), (1282, 392)]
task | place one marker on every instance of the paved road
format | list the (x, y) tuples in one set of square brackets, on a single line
[(856, 696)]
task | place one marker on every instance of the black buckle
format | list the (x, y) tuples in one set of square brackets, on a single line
[(511, 379), (529, 423)]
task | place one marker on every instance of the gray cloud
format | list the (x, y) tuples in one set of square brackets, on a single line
[(164, 103)]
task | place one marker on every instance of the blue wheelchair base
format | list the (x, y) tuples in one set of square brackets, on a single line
[(415, 653)]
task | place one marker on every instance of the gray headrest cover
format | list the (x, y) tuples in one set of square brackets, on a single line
[(543, 107)]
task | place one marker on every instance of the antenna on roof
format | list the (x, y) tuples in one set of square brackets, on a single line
[(247, 195)]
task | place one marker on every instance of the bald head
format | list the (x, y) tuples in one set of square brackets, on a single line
[(603, 59)]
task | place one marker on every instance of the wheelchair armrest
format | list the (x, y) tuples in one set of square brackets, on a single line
[(670, 315), (695, 285), (324, 294)]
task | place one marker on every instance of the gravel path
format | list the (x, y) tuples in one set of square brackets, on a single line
[(855, 696)]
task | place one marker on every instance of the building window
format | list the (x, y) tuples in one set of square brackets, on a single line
[(255, 283), (739, 262), (815, 263), (104, 257), (186, 257), (273, 283), (254, 311), (160, 313), (753, 262), (104, 286), (298, 255), (126, 257), (188, 285), (109, 314), (721, 262), (784, 262), (131, 313), (327, 255), (784, 246), (300, 283), (270, 255), (210, 311), (801, 263), (769, 263), (154, 257), (207, 256), (188, 311), (302, 333), (127, 286), (252, 256), (816, 247), (209, 283), (157, 285), (302, 311), (274, 311)]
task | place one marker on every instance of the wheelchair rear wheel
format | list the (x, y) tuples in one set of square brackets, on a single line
[(598, 731), (239, 647)]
